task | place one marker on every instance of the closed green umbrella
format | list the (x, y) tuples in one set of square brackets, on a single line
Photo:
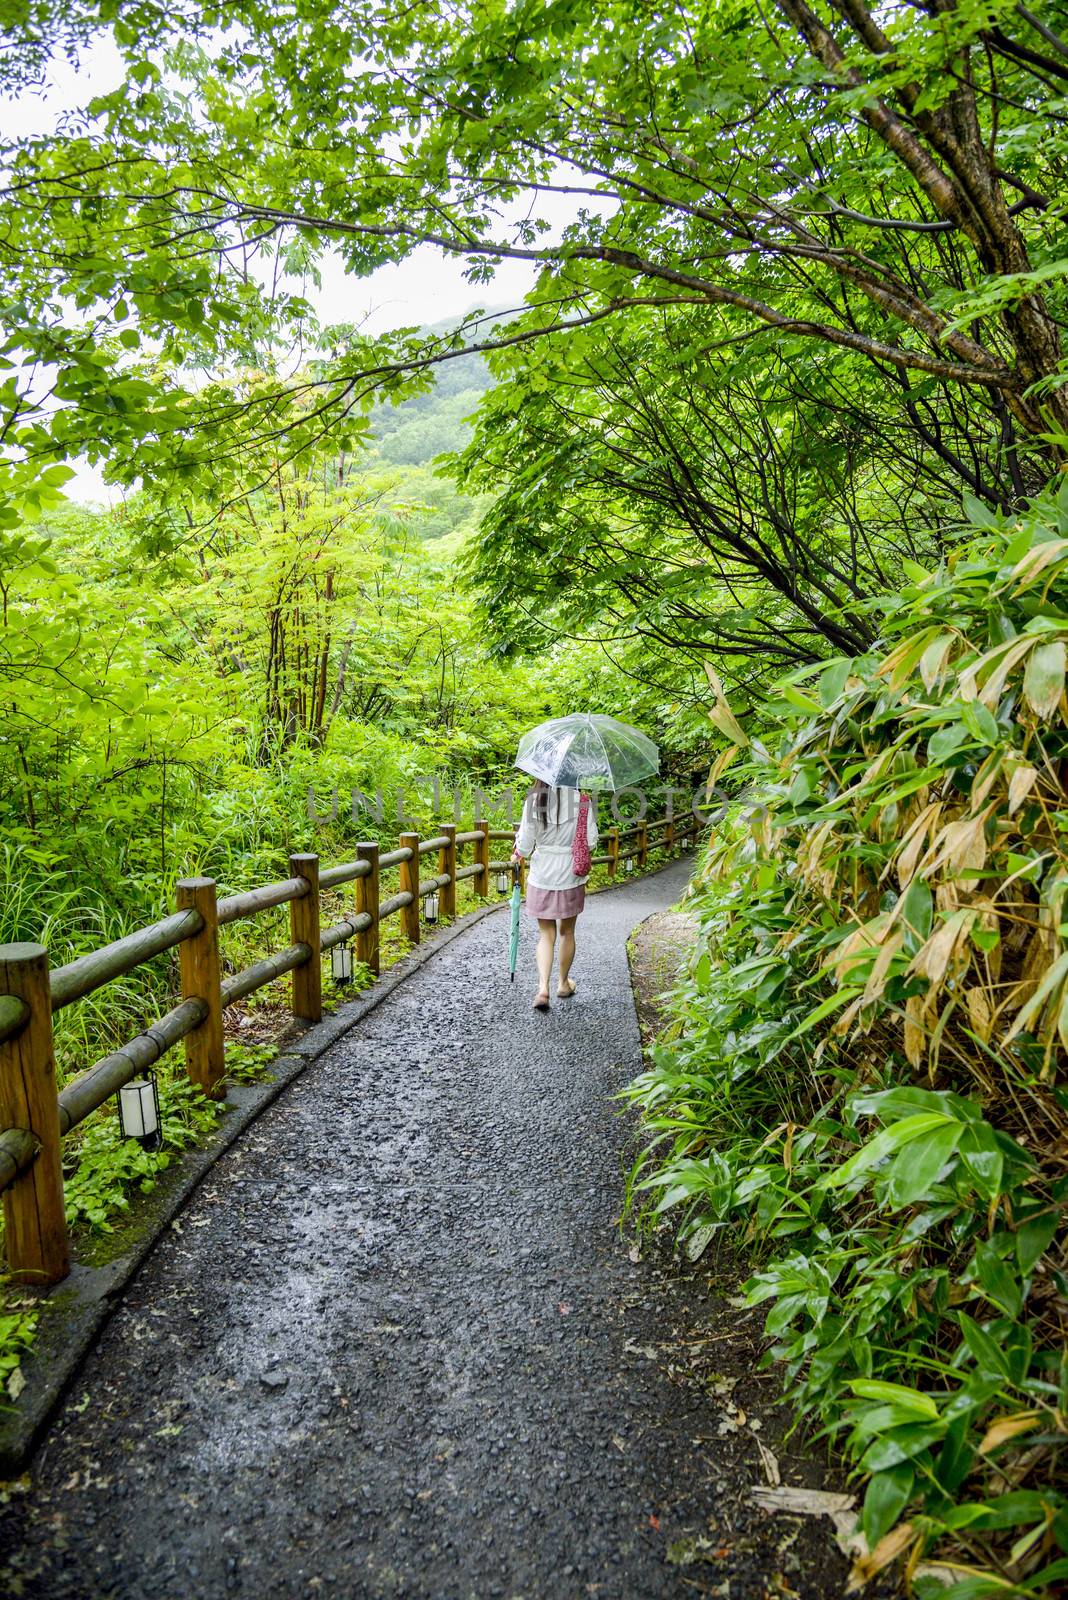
[(513, 942)]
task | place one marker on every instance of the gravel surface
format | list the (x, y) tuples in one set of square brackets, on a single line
[(397, 1345), (658, 947)]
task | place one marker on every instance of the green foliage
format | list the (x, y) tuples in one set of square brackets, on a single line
[(740, 511), (245, 1063), (104, 1168), (883, 185), (17, 1328), (866, 1080), (414, 431)]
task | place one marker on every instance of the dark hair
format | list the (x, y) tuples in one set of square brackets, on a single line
[(538, 794)]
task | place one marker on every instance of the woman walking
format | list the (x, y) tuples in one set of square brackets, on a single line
[(558, 832)]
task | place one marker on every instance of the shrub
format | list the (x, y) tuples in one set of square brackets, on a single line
[(866, 1058)]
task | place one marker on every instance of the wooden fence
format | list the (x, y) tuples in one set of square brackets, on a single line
[(35, 1119)]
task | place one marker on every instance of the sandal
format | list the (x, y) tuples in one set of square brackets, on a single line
[(541, 1002), (565, 994)]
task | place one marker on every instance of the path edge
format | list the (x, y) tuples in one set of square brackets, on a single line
[(77, 1310)]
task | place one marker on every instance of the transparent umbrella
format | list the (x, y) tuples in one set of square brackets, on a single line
[(587, 750)]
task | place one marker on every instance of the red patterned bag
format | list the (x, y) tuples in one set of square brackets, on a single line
[(580, 845)]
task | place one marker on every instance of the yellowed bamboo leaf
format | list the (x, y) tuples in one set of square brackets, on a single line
[(722, 717), (721, 714), (979, 1012), (1043, 682), (1035, 562), (897, 665), (1062, 1020), (947, 896), (913, 843), (933, 958), (934, 659), (890, 947), (1002, 1429), (760, 828), (960, 844), (1003, 658), (1050, 991), (1039, 956), (845, 1019), (967, 851), (986, 777), (811, 851), (1020, 785), (915, 1037), (875, 770), (719, 766), (854, 947), (890, 1547)]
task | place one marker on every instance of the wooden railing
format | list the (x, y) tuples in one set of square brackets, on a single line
[(35, 1119)]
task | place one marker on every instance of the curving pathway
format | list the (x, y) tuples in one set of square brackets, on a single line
[(397, 1346)]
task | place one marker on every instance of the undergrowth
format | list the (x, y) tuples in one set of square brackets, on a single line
[(864, 1073)]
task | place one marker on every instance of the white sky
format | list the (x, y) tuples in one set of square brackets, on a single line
[(427, 287)]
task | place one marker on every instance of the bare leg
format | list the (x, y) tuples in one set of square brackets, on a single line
[(567, 954), (546, 944)]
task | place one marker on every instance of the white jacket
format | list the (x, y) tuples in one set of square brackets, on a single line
[(548, 844)]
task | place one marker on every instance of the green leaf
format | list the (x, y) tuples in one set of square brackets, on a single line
[(988, 1358), (833, 1003), (980, 723), (904, 1443), (1034, 1237), (833, 680), (983, 1159), (895, 1394), (997, 1280), (885, 1144), (979, 515), (943, 743), (887, 1495), (916, 911), (912, 1173)]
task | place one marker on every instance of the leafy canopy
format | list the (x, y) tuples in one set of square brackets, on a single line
[(884, 184)]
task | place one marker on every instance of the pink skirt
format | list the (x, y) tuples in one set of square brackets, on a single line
[(554, 903)]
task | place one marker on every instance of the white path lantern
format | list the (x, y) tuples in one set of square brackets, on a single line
[(139, 1111)]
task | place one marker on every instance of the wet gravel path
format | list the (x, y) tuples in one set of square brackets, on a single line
[(396, 1345)]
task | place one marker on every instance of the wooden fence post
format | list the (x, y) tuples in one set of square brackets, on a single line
[(198, 959), (409, 879), (669, 831), (304, 929), (36, 1227), (367, 943), (613, 852), (447, 863), (481, 879), (643, 844)]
